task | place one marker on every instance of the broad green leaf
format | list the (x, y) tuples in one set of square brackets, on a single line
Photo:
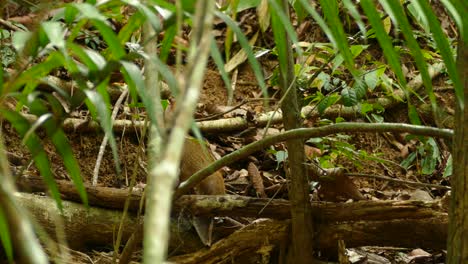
[(448, 167), (93, 60), (366, 108), (349, 97), (322, 80), (355, 51), (37, 151), (406, 163), (443, 46), (415, 50), (429, 162), (418, 13), (5, 237), (134, 79), (90, 12), (163, 4), (96, 58), (104, 115), (33, 74), (148, 13), (384, 41), (287, 25), (331, 13), (299, 10), (55, 33), (246, 46), (36, 105), (372, 78), (413, 115), (20, 39), (377, 118), (326, 102), (360, 88), (132, 25), (217, 58), (70, 13), (245, 4), (167, 42), (60, 141), (348, 4), (115, 48)]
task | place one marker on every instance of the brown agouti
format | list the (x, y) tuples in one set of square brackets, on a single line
[(195, 158)]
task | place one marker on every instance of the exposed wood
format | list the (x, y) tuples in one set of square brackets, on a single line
[(424, 233), (260, 145), (86, 227), (248, 245), (252, 242), (105, 197), (232, 205), (96, 227), (322, 211)]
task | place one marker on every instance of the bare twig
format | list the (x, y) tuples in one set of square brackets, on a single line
[(411, 183), (102, 148), (309, 133)]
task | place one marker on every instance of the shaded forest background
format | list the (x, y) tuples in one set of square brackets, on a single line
[(325, 131)]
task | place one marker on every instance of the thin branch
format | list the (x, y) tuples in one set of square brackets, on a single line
[(310, 133), (411, 183), (102, 148)]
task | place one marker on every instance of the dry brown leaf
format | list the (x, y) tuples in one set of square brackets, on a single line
[(256, 180)]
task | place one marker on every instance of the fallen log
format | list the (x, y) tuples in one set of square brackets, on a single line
[(88, 227), (96, 227), (258, 241), (105, 197), (232, 205)]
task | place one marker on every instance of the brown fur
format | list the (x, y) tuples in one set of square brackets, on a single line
[(196, 157)]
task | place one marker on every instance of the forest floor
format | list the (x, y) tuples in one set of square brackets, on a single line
[(383, 155)]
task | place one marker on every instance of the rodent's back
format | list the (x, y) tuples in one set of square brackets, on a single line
[(195, 158)]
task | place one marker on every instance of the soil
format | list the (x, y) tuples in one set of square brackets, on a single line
[(132, 155)]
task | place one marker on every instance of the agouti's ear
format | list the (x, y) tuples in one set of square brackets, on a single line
[(169, 111), (195, 158), (204, 228)]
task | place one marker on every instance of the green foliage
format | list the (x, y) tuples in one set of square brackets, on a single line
[(81, 41), (426, 157), (5, 237), (336, 148), (248, 49), (33, 143), (7, 53), (281, 157), (448, 167)]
